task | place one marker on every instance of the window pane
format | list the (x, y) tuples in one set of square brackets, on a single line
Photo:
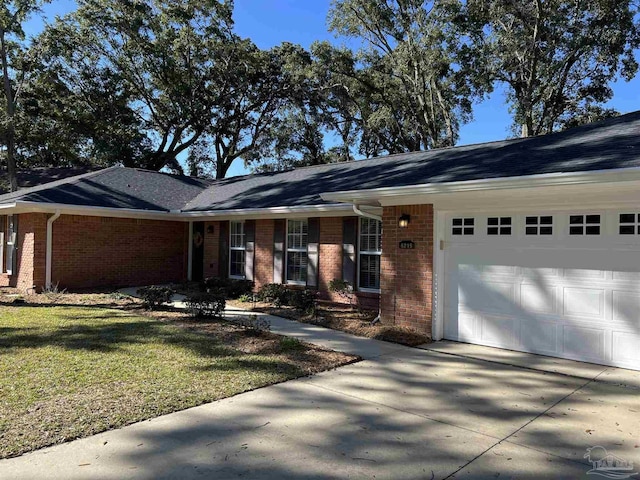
[(531, 230), (492, 221), (505, 221), (575, 230), (297, 266), (237, 235), (627, 229), (370, 271), (546, 220), (575, 219), (593, 219), (627, 218), (468, 221), (237, 263), (546, 231), (532, 220), (370, 235), (593, 230), (297, 231), (457, 222)]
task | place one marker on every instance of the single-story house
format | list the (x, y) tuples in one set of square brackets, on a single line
[(527, 244)]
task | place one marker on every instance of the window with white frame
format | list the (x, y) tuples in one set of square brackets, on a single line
[(297, 238), (237, 250), (584, 224), (629, 224), (539, 225), (10, 241), (499, 226), (370, 251), (463, 226)]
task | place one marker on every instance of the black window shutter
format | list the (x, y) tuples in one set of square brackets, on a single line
[(223, 257), (250, 247), (349, 246), (313, 252), (279, 232)]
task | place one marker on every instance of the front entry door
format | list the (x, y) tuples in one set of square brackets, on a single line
[(197, 259)]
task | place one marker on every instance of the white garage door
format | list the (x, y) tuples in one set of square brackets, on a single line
[(565, 284)]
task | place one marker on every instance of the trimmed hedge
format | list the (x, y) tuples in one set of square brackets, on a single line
[(232, 288), (154, 296), (206, 304)]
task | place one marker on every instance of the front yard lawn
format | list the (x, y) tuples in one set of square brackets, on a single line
[(72, 371)]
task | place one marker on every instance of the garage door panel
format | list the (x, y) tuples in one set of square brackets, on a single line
[(540, 337), (496, 330), (626, 308), (584, 343), (539, 298), (584, 302), (487, 296), (464, 329), (626, 348)]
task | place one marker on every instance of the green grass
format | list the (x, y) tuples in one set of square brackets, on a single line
[(69, 372)]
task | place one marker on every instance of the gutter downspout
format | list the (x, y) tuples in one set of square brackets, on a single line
[(357, 211), (49, 249)]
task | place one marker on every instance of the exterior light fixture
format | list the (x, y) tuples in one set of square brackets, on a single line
[(405, 220)]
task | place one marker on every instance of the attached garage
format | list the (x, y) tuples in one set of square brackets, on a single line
[(559, 283)]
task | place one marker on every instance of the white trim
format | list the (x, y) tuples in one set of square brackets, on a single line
[(190, 254), (49, 248), (438, 282), (542, 180), (302, 212), (359, 212)]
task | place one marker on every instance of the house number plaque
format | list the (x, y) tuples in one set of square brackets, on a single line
[(407, 245)]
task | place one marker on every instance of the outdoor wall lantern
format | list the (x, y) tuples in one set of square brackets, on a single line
[(210, 229), (405, 220)]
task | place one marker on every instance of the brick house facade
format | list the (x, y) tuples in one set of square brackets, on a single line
[(98, 251)]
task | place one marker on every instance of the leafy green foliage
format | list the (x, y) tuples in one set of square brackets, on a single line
[(303, 300), (208, 305), (154, 296), (275, 293), (557, 58), (230, 287)]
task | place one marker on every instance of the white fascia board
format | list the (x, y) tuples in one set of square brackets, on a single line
[(8, 206), (27, 207), (543, 180), (337, 209), (177, 215)]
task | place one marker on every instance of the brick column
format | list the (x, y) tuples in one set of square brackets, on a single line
[(263, 273), (406, 275), (330, 255), (211, 249)]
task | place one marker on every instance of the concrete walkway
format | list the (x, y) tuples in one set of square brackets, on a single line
[(441, 412)]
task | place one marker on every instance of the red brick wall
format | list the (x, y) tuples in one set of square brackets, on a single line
[(211, 249), (407, 275), (263, 266), (103, 251), (330, 256)]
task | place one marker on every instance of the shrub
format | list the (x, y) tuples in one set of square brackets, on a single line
[(342, 288), (154, 296), (303, 300), (233, 288), (254, 323), (274, 293), (206, 304), (245, 298), (290, 344)]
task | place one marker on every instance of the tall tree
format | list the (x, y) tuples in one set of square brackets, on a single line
[(13, 14), (415, 94), (557, 58)]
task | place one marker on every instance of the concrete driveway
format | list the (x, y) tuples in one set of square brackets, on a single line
[(452, 411)]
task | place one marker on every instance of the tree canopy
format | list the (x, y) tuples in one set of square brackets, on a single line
[(168, 84)]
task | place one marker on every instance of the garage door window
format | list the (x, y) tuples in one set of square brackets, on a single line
[(629, 224), (499, 226), (539, 225), (584, 225), (462, 226)]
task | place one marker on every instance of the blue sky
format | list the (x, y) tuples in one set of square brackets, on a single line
[(270, 22)]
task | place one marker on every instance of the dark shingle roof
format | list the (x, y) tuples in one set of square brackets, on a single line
[(116, 187), (40, 175), (610, 144)]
